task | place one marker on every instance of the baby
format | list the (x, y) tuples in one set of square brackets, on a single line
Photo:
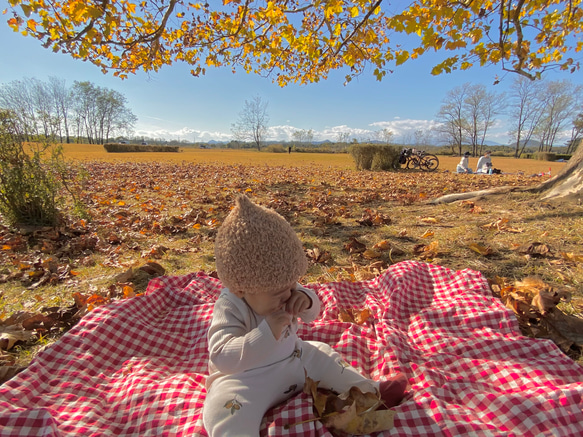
[(256, 358)]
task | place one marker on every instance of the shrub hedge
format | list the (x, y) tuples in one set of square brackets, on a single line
[(127, 148), (374, 156)]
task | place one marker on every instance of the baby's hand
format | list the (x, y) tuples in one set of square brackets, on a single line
[(297, 303), (278, 321)]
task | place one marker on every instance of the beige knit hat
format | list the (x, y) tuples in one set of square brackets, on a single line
[(257, 251)]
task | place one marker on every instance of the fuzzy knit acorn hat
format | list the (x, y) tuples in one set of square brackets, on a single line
[(257, 251)]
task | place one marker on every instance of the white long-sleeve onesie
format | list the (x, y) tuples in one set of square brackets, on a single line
[(250, 371)]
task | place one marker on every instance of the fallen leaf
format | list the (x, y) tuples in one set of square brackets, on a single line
[(354, 246), (10, 335), (482, 250), (573, 257), (535, 249)]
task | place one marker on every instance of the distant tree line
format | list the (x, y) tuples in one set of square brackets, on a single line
[(539, 111), (82, 113)]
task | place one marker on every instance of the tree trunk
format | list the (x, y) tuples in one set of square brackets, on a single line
[(568, 184), (565, 186)]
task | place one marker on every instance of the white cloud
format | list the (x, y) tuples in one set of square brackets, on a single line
[(185, 133)]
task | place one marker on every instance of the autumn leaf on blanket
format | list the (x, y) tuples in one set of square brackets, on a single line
[(351, 315), (352, 412), (482, 250)]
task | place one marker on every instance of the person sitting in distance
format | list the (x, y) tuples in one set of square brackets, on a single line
[(463, 166), (484, 163)]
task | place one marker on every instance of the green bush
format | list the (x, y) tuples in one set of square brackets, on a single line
[(28, 186), (374, 157), (545, 156)]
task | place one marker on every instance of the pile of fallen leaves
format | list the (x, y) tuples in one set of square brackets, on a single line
[(352, 412), (535, 304), (147, 219)]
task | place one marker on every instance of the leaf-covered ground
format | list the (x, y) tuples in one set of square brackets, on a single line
[(147, 219)]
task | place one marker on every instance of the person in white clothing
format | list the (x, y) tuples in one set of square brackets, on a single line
[(484, 163), (256, 359), (464, 165)]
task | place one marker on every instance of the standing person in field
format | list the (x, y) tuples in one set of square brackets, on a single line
[(256, 358), (484, 163), (464, 165)]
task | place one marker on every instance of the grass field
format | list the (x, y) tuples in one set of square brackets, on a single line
[(166, 208), (87, 152)]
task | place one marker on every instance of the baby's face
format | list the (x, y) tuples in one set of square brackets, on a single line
[(267, 303)]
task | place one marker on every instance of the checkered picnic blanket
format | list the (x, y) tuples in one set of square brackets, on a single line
[(137, 367)]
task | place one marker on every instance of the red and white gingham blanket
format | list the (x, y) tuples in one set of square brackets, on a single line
[(137, 367)]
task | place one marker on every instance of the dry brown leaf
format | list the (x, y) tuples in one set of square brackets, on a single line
[(8, 372), (535, 249), (354, 246), (10, 335), (318, 256), (371, 254), (482, 250), (382, 245), (430, 220), (428, 234), (573, 257), (352, 412), (351, 315)]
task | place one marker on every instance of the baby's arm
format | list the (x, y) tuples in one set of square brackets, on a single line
[(233, 348), (310, 313)]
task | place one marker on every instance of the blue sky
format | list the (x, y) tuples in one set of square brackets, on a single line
[(172, 104)]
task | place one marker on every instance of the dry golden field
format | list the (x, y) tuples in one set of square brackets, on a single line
[(88, 152)]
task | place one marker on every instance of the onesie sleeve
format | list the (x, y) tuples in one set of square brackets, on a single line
[(234, 348), (311, 313)]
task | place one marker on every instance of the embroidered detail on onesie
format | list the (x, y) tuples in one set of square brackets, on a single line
[(287, 331), (291, 389), (233, 405), (297, 353), (343, 364)]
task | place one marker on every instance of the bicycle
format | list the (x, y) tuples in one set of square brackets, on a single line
[(418, 159)]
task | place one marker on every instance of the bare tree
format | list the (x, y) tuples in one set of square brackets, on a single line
[(252, 122), (16, 96), (385, 136), (561, 99), (480, 108), (100, 113), (451, 115), (303, 137), (61, 99), (526, 110)]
